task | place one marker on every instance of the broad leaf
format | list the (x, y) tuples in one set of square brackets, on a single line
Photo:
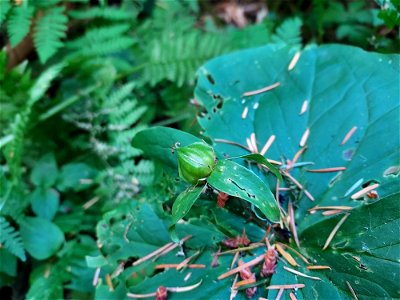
[(41, 238), (45, 202), (330, 92), (45, 171), (235, 180)]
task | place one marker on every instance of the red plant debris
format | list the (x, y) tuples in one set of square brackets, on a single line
[(246, 274), (161, 293), (221, 199), (237, 241), (270, 259)]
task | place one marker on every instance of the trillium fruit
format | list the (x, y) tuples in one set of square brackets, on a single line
[(196, 162)]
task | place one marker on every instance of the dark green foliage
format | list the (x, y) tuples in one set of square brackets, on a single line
[(11, 239)]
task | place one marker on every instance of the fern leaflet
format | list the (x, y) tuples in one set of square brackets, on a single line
[(11, 239), (19, 23), (108, 13), (4, 8), (49, 31), (289, 32)]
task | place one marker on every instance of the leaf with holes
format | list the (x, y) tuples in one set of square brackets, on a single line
[(334, 111)]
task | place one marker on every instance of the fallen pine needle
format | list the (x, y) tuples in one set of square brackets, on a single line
[(169, 289), (332, 212), (235, 258), (265, 89), (251, 247), (254, 142), (304, 107), (330, 207), (90, 203), (332, 234), (364, 191), (352, 291), (286, 286), (348, 135), (186, 261), (244, 113), (307, 193), (262, 298), (327, 170), (294, 61), (167, 250), (251, 263), (96, 276), (296, 157), (250, 145), (279, 295), (109, 282), (300, 274), (245, 282), (131, 295), (223, 141), (353, 187), (304, 138), (292, 224), (286, 255), (187, 276), (296, 252), (234, 291), (292, 296), (175, 266), (268, 144), (319, 267)]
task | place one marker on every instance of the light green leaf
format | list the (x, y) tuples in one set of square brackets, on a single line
[(235, 180), (45, 202), (19, 23), (75, 176), (45, 171), (184, 202), (41, 238)]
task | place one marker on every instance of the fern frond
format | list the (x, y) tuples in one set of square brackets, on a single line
[(289, 32), (102, 41), (19, 23), (49, 31), (107, 13), (176, 56), (11, 239), (4, 8)]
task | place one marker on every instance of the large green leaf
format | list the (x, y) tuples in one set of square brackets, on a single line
[(345, 87)]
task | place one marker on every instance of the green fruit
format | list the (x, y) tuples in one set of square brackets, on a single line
[(195, 162)]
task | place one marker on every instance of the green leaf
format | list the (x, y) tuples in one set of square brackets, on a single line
[(159, 143), (96, 261), (11, 239), (235, 180), (184, 202), (4, 8), (75, 176), (343, 87), (258, 158), (42, 84), (45, 203), (19, 23), (49, 31), (41, 238), (45, 171)]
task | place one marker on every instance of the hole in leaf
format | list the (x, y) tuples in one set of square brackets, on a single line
[(369, 182), (348, 154), (210, 79)]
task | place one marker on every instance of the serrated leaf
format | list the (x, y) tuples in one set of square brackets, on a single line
[(4, 8), (19, 23), (235, 180), (49, 31), (41, 237), (11, 240)]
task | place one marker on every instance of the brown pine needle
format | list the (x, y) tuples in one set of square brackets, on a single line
[(279, 295), (96, 276), (244, 113), (131, 295), (109, 282), (307, 193), (286, 255), (265, 89), (167, 250), (333, 232), (330, 207), (233, 289), (268, 144), (90, 203), (319, 267), (286, 286), (297, 156), (304, 138), (332, 212), (250, 145), (292, 224), (327, 170), (294, 61), (348, 135), (184, 288), (300, 274), (304, 107), (296, 252), (292, 296), (352, 291), (250, 247), (186, 261), (234, 259), (223, 141), (175, 266), (245, 282), (187, 276), (364, 191), (251, 263), (154, 253)]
